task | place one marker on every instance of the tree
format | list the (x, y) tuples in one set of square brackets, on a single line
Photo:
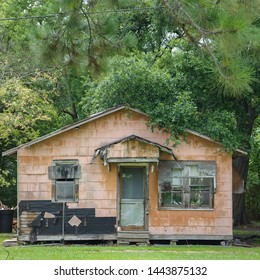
[(24, 110), (253, 186), (180, 86), (228, 31), (77, 42), (138, 82), (23, 113), (84, 34)]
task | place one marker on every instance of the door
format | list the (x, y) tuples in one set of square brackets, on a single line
[(132, 198)]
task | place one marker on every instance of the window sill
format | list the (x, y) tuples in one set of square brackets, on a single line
[(184, 209), (65, 201)]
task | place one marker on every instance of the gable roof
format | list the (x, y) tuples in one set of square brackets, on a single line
[(92, 118)]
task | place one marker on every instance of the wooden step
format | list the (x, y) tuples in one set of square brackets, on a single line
[(10, 242), (125, 237)]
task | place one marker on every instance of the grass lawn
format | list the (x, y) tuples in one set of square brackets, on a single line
[(249, 233), (115, 252)]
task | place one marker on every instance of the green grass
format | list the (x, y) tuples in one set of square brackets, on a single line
[(246, 232), (83, 252), (250, 237)]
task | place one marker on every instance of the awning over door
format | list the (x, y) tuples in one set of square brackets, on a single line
[(131, 149)]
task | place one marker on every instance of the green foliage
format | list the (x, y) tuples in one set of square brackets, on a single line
[(22, 110), (255, 154), (252, 202), (8, 174), (174, 117), (23, 113), (217, 116), (220, 125), (235, 78), (228, 32), (139, 83), (81, 36), (253, 182), (131, 81)]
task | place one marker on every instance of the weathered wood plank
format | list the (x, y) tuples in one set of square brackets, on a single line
[(80, 237), (25, 220), (190, 237), (125, 237)]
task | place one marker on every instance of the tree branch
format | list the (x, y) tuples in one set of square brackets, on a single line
[(90, 31)]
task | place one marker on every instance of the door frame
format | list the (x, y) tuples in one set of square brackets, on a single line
[(146, 194)]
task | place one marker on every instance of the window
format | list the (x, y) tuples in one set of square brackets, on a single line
[(186, 185), (65, 176), (65, 190), (172, 188)]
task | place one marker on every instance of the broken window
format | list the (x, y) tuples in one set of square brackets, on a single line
[(186, 184), (65, 176)]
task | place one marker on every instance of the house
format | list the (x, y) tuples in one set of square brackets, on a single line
[(109, 177)]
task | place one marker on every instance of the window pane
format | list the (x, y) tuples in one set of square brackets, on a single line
[(200, 197), (172, 198), (166, 198), (202, 182), (132, 183), (177, 174), (193, 171), (166, 186), (177, 198), (202, 170), (65, 191), (177, 181), (207, 169)]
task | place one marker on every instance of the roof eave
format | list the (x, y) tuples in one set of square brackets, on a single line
[(236, 151)]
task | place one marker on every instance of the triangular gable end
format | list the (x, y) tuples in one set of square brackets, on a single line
[(131, 149)]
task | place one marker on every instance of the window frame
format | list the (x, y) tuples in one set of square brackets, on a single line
[(73, 177), (187, 186)]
